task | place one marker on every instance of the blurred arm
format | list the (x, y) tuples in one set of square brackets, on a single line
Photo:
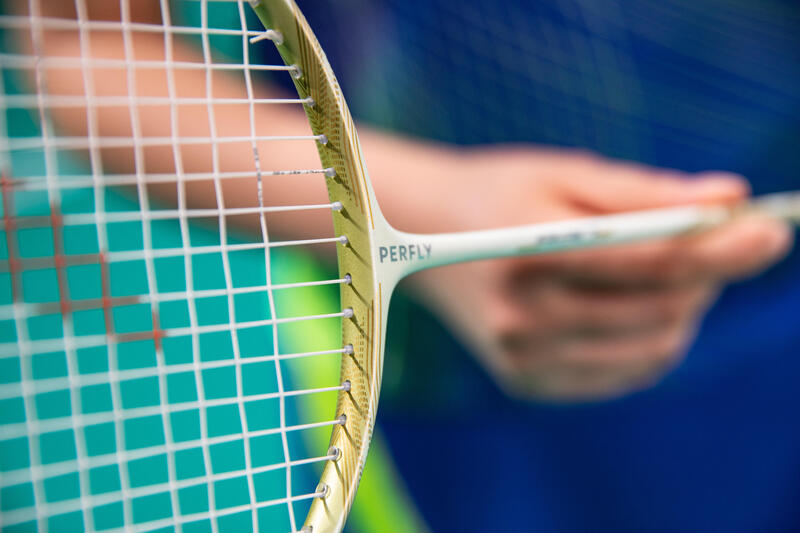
[(569, 326), (193, 121)]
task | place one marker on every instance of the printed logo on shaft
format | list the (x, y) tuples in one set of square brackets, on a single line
[(404, 252)]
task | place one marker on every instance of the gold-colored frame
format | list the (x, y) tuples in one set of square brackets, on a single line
[(329, 116)]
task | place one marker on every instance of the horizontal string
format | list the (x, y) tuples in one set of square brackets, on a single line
[(25, 475), (86, 181), (59, 383), (24, 101), (79, 143), (192, 517), (52, 23), (91, 341), (73, 62), (82, 420), (12, 311), (73, 504), (110, 217), (39, 263)]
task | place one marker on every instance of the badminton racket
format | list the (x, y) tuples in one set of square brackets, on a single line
[(146, 374)]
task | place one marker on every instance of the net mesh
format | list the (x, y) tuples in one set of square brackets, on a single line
[(147, 376)]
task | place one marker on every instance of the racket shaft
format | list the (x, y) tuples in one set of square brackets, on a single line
[(409, 253)]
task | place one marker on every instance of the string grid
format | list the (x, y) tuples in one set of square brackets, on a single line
[(147, 375)]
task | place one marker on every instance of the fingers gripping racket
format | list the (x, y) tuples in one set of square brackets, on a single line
[(146, 381)]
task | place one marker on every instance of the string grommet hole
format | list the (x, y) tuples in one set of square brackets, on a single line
[(342, 419), (323, 490), (346, 385), (323, 139), (348, 279), (347, 312), (337, 206), (296, 71), (335, 453), (344, 240), (348, 349), (330, 172)]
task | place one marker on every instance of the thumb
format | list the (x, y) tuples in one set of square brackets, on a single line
[(632, 190)]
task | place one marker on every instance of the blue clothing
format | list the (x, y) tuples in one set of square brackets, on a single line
[(688, 84)]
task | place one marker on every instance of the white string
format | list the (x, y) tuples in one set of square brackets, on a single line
[(271, 296), (81, 143), (136, 129), (250, 472), (51, 23), (52, 146), (226, 267), (228, 511), (64, 467), (189, 277), (55, 23), (147, 241), (34, 263), (7, 311), (24, 350), (51, 171), (53, 193), (100, 460), (24, 101), (164, 214), (33, 183), (94, 341), (59, 424), (43, 385), (89, 341), (67, 62), (66, 506)]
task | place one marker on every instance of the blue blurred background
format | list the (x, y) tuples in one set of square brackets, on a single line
[(687, 84)]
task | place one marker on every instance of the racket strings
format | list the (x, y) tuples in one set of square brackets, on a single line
[(51, 384), (22, 61), (51, 425), (60, 101), (82, 181), (84, 23), (105, 405), (94, 341)]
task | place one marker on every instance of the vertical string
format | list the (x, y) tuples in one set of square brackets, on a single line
[(271, 300), (152, 286), (54, 203), (18, 307), (187, 260)]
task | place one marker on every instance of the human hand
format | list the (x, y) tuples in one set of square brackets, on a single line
[(593, 323)]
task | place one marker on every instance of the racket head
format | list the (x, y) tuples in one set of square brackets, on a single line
[(363, 318)]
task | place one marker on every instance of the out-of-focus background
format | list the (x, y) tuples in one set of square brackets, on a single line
[(686, 84)]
